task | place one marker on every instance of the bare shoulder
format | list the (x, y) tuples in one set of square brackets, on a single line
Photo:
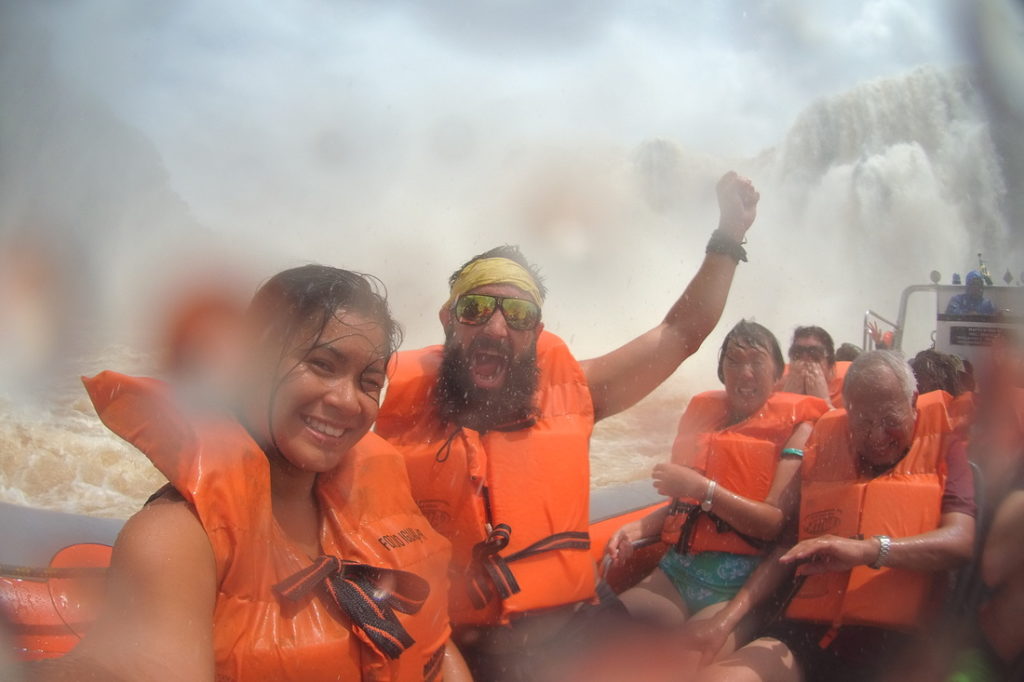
[(165, 527), (157, 621), (163, 560)]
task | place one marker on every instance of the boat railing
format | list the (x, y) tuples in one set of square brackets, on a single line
[(901, 316)]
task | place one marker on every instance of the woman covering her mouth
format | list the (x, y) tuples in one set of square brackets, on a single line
[(734, 480), (286, 545)]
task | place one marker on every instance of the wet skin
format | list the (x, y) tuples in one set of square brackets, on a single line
[(491, 347), (881, 420), (324, 400), (809, 349), (750, 375)]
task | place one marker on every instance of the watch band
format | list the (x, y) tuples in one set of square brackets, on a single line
[(884, 542), (722, 243), (709, 496)]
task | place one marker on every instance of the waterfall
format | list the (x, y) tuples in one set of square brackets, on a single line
[(869, 189)]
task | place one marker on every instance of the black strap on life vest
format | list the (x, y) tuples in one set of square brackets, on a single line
[(490, 572), (519, 424), (369, 595), (432, 669), (693, 513), (566, 540)]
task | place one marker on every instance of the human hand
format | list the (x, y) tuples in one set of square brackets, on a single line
[(815, 382), (883, 340), (806, 377), (874, 332), (676, 480), (794, 381), (737, 204), (619, 549), (830, 553)]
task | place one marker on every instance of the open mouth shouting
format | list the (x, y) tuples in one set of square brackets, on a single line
[(488, 364)]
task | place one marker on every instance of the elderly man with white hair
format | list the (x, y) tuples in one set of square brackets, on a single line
[(885, 509)]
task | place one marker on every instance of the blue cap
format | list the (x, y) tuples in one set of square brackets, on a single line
[(974, 275)]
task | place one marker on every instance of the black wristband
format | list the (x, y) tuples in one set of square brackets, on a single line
[(727, 246)]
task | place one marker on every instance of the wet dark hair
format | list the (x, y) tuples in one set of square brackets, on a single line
[(848, 352), (303, 301), (747, 334), (308, 297), (934, 370), (512, 253), (821, 335)]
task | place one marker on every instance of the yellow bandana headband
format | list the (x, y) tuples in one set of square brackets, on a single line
[(495, 271)]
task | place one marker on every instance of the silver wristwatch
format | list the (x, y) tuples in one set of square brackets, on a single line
[(709, 496), (884, 542)]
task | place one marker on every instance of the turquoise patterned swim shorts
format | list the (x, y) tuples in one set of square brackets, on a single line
[(708, 577)]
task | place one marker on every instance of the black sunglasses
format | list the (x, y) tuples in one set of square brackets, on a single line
[(475, 309), (815, 353)]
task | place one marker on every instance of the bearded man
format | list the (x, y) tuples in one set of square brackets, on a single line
[(495, 426)]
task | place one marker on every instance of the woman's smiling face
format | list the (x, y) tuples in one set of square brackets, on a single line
[(322, 399)]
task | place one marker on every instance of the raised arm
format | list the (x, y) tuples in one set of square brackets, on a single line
[(622, 377), (158, 620)]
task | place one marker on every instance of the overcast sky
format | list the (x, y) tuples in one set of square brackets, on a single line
[(360, 127), (628, 69), (220, 85)]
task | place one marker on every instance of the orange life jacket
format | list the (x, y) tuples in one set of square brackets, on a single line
[(741, 458), (835, 386), (903, 502), (515, 504), (276, 616)]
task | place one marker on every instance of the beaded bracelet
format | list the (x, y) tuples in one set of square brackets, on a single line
[(796, 452)]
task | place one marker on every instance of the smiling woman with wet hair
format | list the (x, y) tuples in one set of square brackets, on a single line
[(286, 545)]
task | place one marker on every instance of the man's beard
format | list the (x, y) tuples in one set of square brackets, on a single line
[(508, 407)]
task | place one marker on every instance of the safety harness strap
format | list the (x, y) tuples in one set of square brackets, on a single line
[(369, 595), (491, 573)]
